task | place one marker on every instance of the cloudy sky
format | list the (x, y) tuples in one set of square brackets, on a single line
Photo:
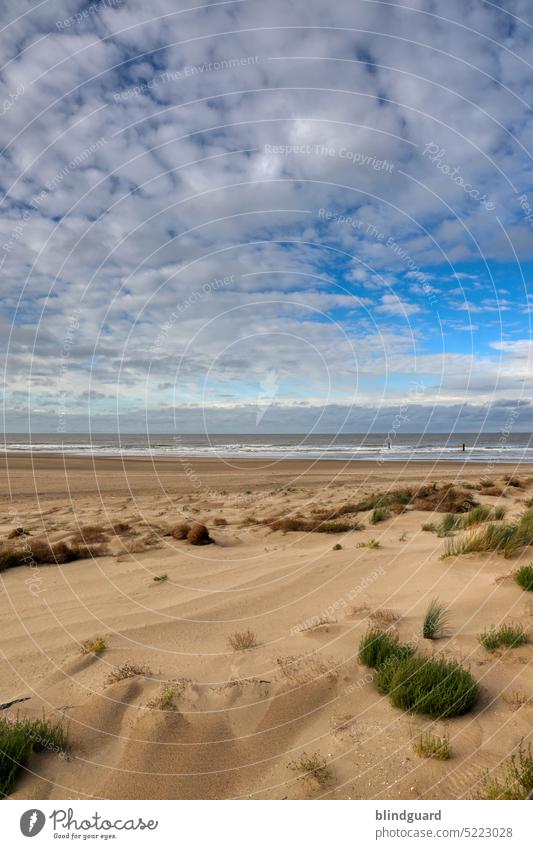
[(266, 216)]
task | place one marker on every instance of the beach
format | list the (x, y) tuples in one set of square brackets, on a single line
[(201, 716)]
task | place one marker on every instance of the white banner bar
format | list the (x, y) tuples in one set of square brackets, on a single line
[(267, 825)]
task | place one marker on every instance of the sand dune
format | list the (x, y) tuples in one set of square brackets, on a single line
[(205, 721)]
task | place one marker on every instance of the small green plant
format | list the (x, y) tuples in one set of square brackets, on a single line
[(379, 514), (402, 537), (435, 621), (19, 739), (516, 779), (93, 646), (337, 547), (524, 577), (508, 636), (160, 578), (313, 766), (431, 746), (371, 543), (242, 640), (165, 699)]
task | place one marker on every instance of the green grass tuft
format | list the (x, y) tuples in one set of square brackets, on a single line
[(19, 739), (379, 514), (431, 746), (435, 621), (377, 647), (508, 636), (438, 688), (524, 577)]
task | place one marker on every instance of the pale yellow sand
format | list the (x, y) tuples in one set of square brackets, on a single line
[(241, 717)]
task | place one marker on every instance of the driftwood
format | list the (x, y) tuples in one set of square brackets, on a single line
[(7, 705)]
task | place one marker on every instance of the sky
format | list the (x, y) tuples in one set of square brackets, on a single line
[(252, 216)]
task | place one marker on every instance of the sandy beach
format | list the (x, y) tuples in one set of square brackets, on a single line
[(198, 718)]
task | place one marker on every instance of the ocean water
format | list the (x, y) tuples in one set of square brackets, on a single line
[(483, 448)]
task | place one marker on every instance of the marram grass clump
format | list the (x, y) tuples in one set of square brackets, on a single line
[(524, 577), (436, 687), (495, 536), (508, 636), (435, 621), (19, 739)]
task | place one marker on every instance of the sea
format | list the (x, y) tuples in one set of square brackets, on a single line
[(488, 448)]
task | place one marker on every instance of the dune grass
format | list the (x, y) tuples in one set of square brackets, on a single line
[(490, 537), (507, 635), (432, 746), (378, 646), (476, 516), (435, 621), (19, 739), (379, 514), (516, 779), (436, 687), (524, 577)]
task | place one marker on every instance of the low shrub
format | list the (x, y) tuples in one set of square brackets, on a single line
[(199, 535), (219, 522), (89, 534), (313, 765), (160, 578), (508, 636), (524, 577), (242, 640), (180, 530)]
